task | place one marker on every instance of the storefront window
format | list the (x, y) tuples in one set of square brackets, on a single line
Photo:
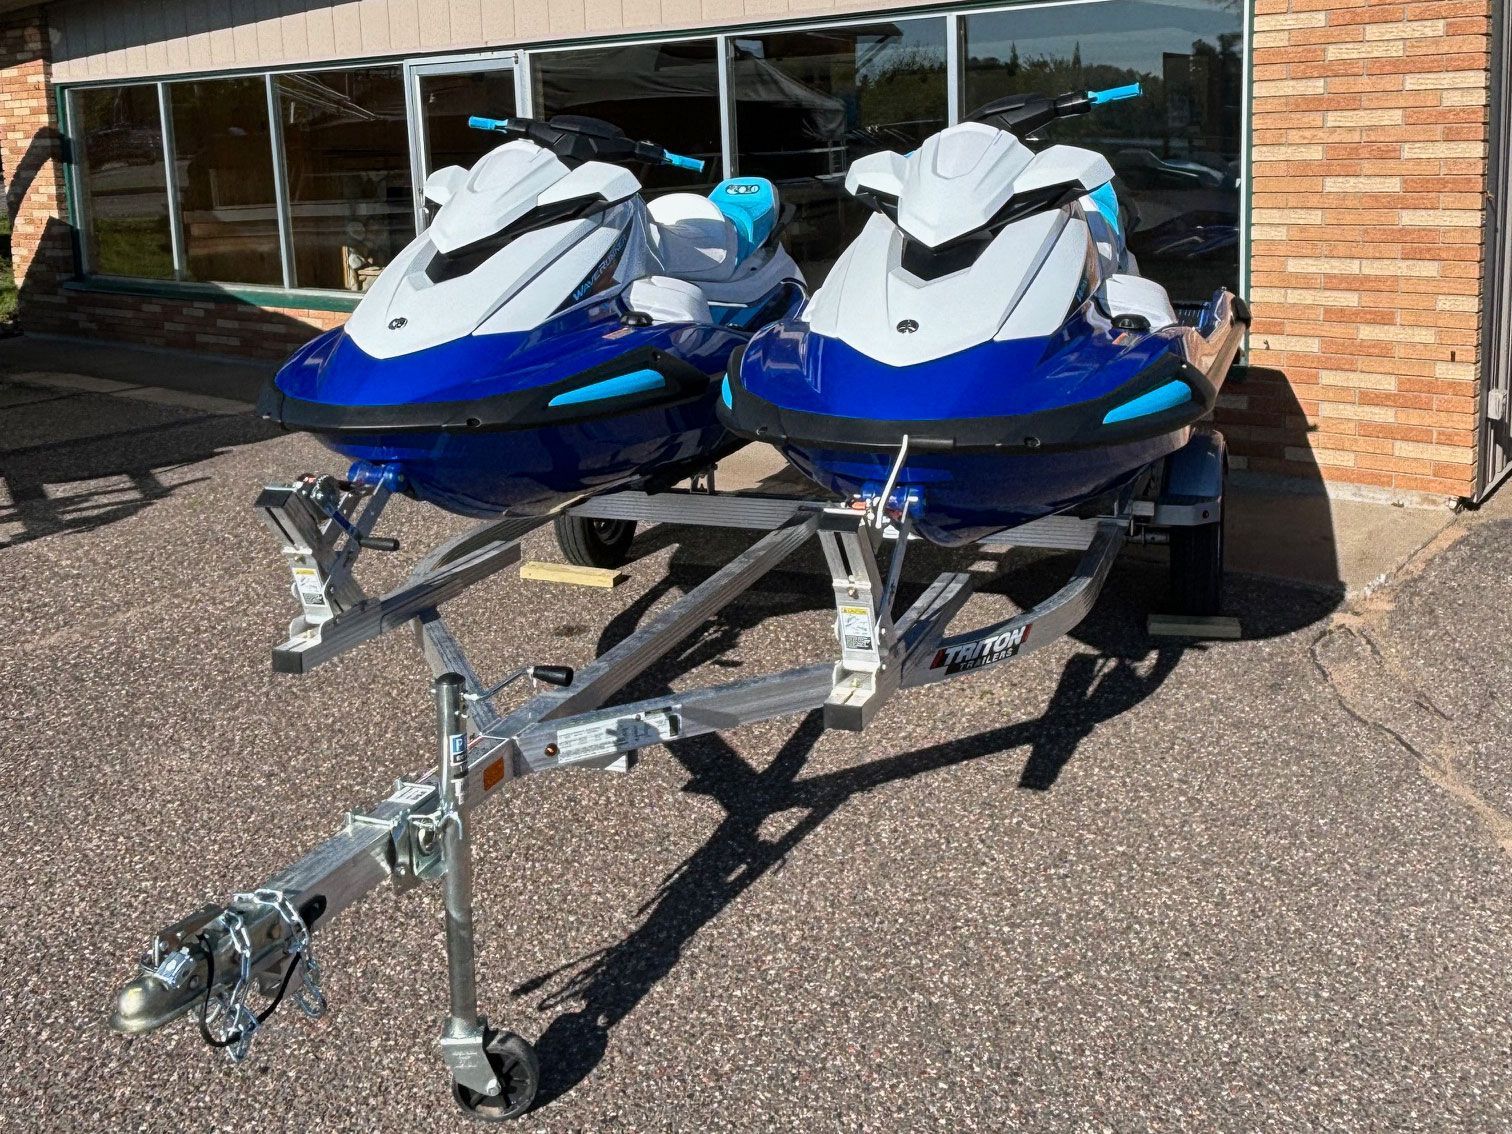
[(224, 167), (808, 104), (123, 181), (446, 103), (346, 160), (1176, 150), (667, 93)]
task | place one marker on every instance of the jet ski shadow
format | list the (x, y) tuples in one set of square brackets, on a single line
[(595, 992)]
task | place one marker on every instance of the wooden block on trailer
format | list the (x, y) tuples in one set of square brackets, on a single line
[(569, 573), (1194, 626)]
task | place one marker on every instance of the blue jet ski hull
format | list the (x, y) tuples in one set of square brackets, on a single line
[(521, 423), (999, 434)]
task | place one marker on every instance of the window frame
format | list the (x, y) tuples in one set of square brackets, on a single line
[(519, 58)]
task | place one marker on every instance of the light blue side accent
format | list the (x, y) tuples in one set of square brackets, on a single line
[(478, 122), (1106, 201), (1169, 396), (725, 395), (695, 164), (750, 203), (1115, 94), (636, 382)]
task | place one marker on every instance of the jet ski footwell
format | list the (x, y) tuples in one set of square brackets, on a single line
[(206, 964)]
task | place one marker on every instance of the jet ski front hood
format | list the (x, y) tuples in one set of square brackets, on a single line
[(1087, 384), (332, 385), (798, 369)]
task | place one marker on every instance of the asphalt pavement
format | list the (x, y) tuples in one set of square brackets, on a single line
[(1124, 884)]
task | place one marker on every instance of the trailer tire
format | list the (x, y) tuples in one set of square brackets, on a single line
[(519, 1074), (594, 543), (1196, 574)]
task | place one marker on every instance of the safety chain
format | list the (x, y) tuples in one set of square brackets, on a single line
[(309, 997), (228, 1019)]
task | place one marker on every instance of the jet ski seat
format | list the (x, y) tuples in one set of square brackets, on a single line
[(707, 238), (692, 239)]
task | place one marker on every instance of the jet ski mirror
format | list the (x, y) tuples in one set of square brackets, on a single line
[(877, 180), (442, 186)]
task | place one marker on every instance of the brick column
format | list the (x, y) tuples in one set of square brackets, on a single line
[(1370, 159), (41, 247)]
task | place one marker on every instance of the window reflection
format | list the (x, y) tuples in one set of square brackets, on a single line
[(667, 93), (123, 181), (1176, 151), (346, 146), (447, 101), (808, 104), (224, 165)]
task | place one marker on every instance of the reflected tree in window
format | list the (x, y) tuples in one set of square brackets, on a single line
[(124, 182), (1175, 151)]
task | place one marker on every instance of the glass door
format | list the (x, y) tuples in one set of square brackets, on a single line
[(442, 97)]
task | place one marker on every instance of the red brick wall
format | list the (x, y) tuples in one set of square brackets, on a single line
[(1370, 143), (213, 326), (29, 148)]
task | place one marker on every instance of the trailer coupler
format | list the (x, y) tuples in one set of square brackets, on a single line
[(214, 957)]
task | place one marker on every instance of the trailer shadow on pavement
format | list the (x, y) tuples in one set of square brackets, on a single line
[(72, 460), (1119, 666)]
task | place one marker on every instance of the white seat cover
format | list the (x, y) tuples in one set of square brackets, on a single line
[(692, 239)]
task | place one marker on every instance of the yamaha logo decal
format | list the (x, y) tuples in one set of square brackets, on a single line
[(742, 189), (907, 327), (395, 324)]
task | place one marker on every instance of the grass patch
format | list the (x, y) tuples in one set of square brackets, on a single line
[(7, 278)]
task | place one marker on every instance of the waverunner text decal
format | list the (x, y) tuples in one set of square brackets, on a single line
[(984, 651)]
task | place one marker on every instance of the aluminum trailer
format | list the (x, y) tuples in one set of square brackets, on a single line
[(209, 964)]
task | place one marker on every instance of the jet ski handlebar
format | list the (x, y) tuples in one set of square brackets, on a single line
[(1025, 113), (576, 140)]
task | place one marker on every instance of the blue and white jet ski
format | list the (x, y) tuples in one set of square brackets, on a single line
[(550, 334), (985, 353)]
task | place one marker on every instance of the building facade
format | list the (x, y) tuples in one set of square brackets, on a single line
[(229, 176)]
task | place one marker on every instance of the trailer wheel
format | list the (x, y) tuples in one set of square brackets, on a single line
[(1197, 569), (519, 1074), (595, 543)]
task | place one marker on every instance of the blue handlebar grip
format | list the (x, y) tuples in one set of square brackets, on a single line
[(1115, 94), (681, 162), (478, 122)]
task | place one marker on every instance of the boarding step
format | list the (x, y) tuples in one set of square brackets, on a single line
[(767, 513), (1063, 533), (704, 509)]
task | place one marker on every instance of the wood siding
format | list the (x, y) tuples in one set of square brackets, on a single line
[(111, 39)]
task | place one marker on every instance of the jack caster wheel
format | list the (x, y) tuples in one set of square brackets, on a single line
[(595, 543), (514, 1064)]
